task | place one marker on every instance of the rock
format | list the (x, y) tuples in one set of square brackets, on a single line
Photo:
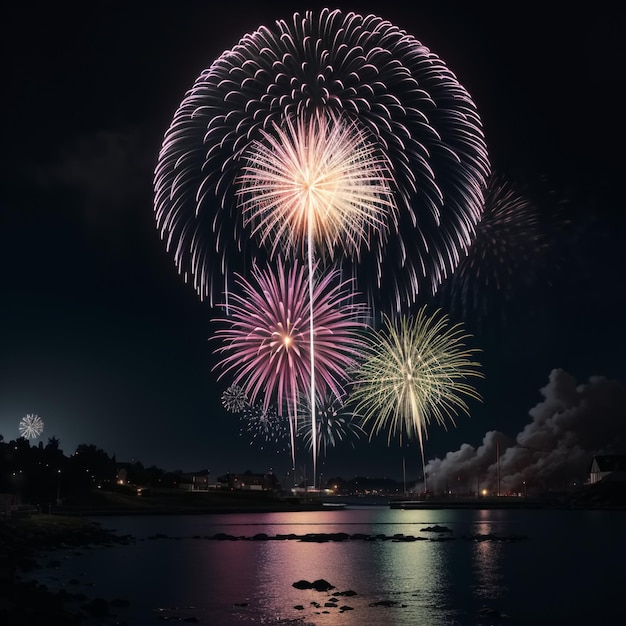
[(224, 537), (322, 585), (98, 607), (435, 529), (387, 603), (302, 584)]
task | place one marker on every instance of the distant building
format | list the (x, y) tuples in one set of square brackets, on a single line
[(249, 481), (608, 467), (122, 473), (197, 482)]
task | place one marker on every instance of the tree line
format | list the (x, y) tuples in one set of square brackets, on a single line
[(44, 475)]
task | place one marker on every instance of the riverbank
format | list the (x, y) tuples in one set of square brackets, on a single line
[(603, 495), (98, 503)]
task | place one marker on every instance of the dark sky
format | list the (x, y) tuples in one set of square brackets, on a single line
[(102, 339)]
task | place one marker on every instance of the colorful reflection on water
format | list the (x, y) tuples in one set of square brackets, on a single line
[(472, 571)]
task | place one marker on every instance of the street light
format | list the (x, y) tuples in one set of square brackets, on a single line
[(58, 487)]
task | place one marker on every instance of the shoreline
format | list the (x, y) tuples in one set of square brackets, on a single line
[(23, 542)]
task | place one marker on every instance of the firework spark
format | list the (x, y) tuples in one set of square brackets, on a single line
[(360, 80), (31, 426), (414, 370), (266, 343), (234, 399), (265, 426), (335, 425)]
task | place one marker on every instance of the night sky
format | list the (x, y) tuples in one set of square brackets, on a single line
[(104, 341)]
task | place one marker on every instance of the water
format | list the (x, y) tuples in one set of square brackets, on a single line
[(569, 568)]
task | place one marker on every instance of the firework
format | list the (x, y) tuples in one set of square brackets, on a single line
[(265, 426), (414, 370), (373, 105), (320, 180), (234, 399), (334, 425), (266, 343), (509, 254), (31, 426)]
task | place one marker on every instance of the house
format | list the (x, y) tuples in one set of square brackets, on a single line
[(249, 481), (608, 467), (122, 473)]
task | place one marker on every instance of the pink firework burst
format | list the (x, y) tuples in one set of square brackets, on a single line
[(266, 343)]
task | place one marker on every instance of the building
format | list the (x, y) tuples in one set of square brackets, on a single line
[(249, 482), (608, 467)]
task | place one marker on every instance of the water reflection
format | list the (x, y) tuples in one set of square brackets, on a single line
[(395, 581), (429, 580)]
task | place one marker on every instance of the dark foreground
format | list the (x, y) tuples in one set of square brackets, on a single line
[(24, 540), (26, 603)]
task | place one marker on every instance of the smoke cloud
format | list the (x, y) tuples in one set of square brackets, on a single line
[(553, 452)]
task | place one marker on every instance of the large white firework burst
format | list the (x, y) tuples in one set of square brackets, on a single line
[(321, 177), (31, 426), (328, 73)]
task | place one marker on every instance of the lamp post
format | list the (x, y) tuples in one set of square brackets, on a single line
[(58, 487)]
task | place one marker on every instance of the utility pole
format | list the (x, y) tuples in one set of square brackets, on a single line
[(498, 462)]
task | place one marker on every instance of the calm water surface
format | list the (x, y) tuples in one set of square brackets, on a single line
[(569, 569)]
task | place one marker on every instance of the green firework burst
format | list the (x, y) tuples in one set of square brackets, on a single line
[(415, 370)]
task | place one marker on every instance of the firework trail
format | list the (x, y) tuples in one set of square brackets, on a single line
[(414, 370), (234, 399), (353, 85), (31, 426), (335, 425), (265, 426), (315, 186), (265, 343)]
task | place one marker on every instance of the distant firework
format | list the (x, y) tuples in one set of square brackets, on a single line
[(31, 426), (385, 99), (335, 426), (414, 370), (234, 399), (510, 254), (265, 427)]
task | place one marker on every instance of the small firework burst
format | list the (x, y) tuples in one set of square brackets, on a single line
[(31, 426), (234, 399), (414, 370), (335, 425), (265, 427)]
